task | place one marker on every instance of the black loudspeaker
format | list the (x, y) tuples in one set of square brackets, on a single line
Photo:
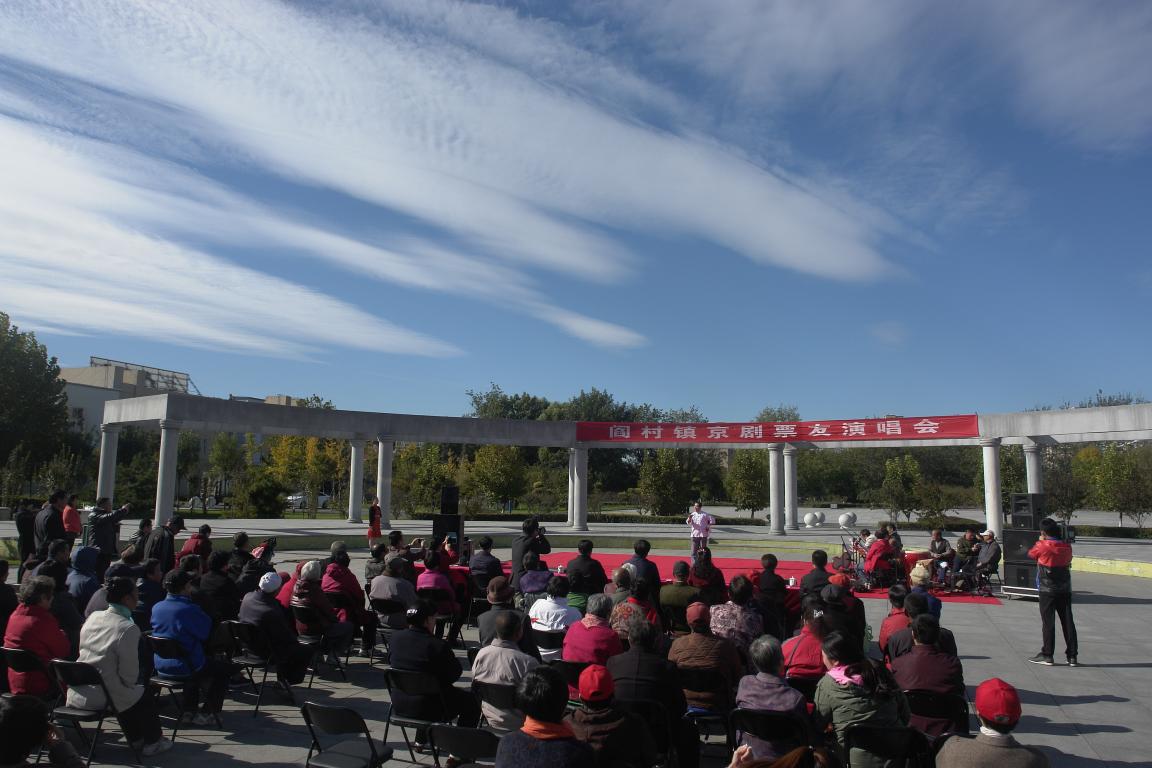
[(1020, 575), (1026, 510), (450, 500), (1016, 545), (444, 526)]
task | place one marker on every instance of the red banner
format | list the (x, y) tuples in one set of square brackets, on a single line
[(832, 430)]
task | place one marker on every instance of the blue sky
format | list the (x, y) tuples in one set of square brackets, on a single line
[(857, 208)]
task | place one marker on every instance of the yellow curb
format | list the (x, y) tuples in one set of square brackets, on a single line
[(1112, 567)]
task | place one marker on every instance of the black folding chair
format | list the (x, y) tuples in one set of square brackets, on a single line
[(167, 648), (438, 597), (805, 685), (708, 681), (412, 684), (936, 714), (478, 600), (385, 608), (467, 744), (783, 730), (675, 618), (655, 714), (19, 660), (253, 656), (319, 645), (495, 695), (548, 639), (472, 652), (73, 674), (346, 753), (902, 747)]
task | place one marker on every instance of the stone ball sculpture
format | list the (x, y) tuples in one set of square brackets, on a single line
[(810, 520), (847, 520)]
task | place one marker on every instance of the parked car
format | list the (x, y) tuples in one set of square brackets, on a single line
[(299, 500)]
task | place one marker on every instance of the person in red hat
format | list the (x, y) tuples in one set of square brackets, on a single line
[(998, 710), (617, 737)]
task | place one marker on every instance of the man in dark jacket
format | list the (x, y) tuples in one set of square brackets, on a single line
[(927, 668), (817, 578), (767, 690), (643, 568), (161, 543), (26, 534), (500, 596), (417, 649), (49, 524), (220, 589), (585, 574), (616, 737), (240, 555), (531, 540), (261, 608), (484, 565), (1053, 558), (104, 526), (901, 642)]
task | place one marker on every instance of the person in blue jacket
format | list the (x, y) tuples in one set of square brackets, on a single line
[(178, 618)]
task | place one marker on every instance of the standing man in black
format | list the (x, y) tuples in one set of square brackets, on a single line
[(104, 526), (161, 543), (50, 523), (531, 540)]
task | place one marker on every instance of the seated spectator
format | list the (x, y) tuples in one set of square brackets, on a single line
[(677, 596), (592, 639), (896, 618), (965, 548), (856, 690), (150, 585), (737, 620), (621, 586), (284, 596), (220, 590), (307, 593), (642, 567), (639, 603), (59, 554), (500, 597), (641, 673), (985, 559), (926, 668), (894, 539), (417, 649), (375, 565), (768, 691), (838, 617), (199, 544), (391, 585), (922, 585), (707, 578), (140, 537), (878, 563), (110, 641), (900, 642), (178, 618), (260, 564), (435, 576), (63, 606), (82, 580), (816, 579), (502, 662), (802, 654), (545, 740), (552, 614), (8, 603), (941, 551), (773, 593), (128, 566), (24, 721), (998, 710), (585, 575), (261, 609), (702, 651), (853, 604), (338, 580), (33, 628), (484, 565), (616, 737), (240, 555), (535, 576), (191, 565), (409, 554)]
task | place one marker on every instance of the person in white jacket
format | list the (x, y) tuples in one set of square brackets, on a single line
[(701, 524), (553, 614), (110, 641)]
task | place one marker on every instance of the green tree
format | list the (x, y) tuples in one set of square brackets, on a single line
[(33, 408), (900, 489), (782, 412), (14, 475), (747, 481), (261, 495), (663, 487), (499, 472), (226, 460), (495, 404), (1113, 475), (61, 471), (1066, 485)]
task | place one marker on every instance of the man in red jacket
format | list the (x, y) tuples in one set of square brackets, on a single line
[(1053, 555)]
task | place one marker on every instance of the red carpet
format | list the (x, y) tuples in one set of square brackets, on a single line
[(735, 566)]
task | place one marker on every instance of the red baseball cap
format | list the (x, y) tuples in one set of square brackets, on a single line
[(698, 613), (997, 702), (840, 580), (596, 683)]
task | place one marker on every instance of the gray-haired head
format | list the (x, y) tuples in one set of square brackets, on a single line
[(600, 605), (622, 576), (767, 654), (313, 570)]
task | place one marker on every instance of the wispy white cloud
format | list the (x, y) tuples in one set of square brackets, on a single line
[(889, 333), (499, 131)]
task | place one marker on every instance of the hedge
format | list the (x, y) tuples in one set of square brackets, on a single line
[(558, 517), (1113, 532)]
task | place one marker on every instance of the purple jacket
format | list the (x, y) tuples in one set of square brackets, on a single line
[(764, 691)]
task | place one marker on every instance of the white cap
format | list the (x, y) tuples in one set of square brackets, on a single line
[(270, 582), (989, 532)]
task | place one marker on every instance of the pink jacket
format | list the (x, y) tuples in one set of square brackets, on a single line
[(593, 645)]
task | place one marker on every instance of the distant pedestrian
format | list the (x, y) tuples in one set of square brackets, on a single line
[(375, 515)]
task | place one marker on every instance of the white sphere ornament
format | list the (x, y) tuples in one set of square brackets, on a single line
[(810, 520), (847, 520), (819, 518)]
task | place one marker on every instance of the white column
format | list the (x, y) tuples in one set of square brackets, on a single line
[(993, 514), (109, 443), (791, 500), (385, 449), (1034, 468), (166, 474), (580, 491), (356, 481), (571, 487), (775, 491)]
